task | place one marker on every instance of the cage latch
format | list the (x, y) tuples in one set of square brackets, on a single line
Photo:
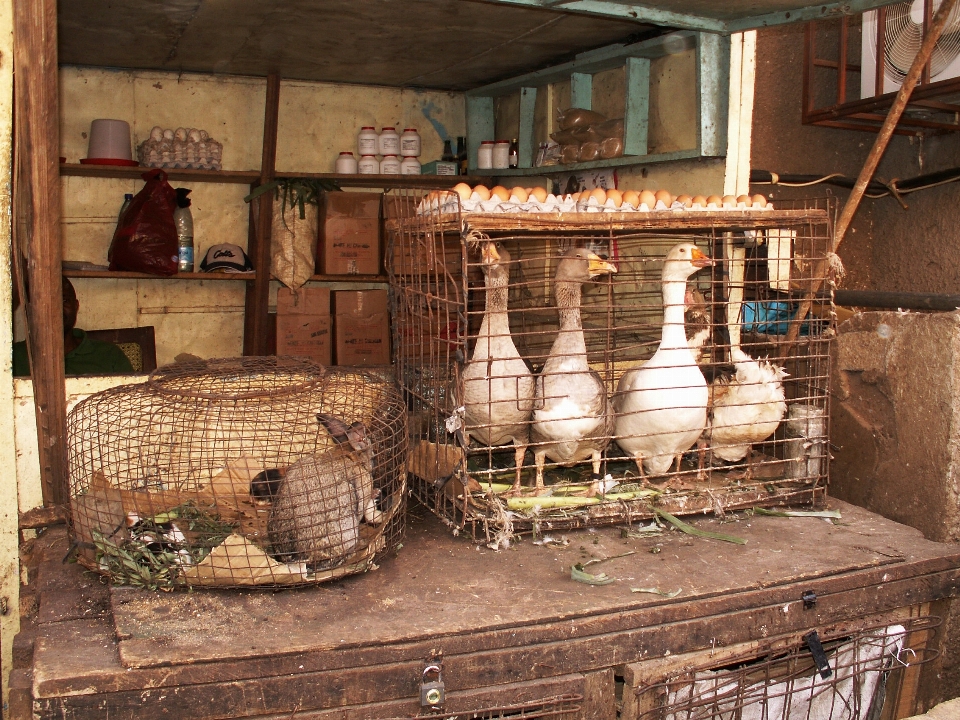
[(812, 639), (432, 694), (809, 598)]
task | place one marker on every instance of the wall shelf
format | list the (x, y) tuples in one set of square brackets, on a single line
[(577, 167), (247, 276)]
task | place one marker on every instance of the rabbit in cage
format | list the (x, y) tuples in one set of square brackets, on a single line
[(320, 500)]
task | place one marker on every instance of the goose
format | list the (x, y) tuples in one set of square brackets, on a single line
[(571, 418), (497, 384), (661, 406)]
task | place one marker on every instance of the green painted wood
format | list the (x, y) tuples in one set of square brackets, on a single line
[(819, 11), (636, 115), (634, 12), (480, 126), (526, 139), (581, 90), (713, 88), (588, 63), (614, 162)]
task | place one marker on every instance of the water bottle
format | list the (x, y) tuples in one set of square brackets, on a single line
[(183, 221), (127, 199)]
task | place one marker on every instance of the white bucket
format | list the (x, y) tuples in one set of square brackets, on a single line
[(109, 139)]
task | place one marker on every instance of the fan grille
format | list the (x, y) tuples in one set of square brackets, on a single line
[(904, 34)]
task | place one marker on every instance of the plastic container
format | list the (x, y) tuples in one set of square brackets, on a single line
[(513, 157), (346, 164), (368, 141), (501, 154), (485, 155), (390, 165), (410, 143), (183, 221), (388, 142), (127, 199), (109, 140), (368, 165), (410, 166)]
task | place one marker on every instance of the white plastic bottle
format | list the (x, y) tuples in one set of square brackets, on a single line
[(501, 154), (183, 221), (390, 165), (368, 165), (367, 141), (389, 141), (346, 164), (410, 143), (410, 166), (485, 155)]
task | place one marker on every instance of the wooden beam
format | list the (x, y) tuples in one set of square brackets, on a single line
[(256, 322), (527, 150), (636, 115), (37, 230), (581, 90), (842, 64)]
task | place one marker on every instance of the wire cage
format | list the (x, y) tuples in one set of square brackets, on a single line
[(238, 472), (856, 677), (547, 384)]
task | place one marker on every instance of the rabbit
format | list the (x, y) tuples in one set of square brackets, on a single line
[(321, 499)]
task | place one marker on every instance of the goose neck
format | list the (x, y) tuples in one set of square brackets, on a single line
[(674, 332)]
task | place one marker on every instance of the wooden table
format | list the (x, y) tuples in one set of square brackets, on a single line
[(512, 626)]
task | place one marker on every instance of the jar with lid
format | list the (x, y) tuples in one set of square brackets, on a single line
[(501, 154), (410, 143), (368, 165), (346, 164), (410, 166), (367, 140), (389, 142), (390, 165), (485, 155)]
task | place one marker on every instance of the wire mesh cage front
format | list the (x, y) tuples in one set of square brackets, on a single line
[(579, 369), (858, 677), (238, 472)]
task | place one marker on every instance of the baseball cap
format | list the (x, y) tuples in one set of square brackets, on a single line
[(226, 258)]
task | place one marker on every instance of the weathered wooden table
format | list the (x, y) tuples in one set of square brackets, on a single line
[(512, 626)]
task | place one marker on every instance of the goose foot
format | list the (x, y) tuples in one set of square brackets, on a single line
[(519, 452), (539, 458)]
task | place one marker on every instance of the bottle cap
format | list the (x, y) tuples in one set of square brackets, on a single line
[(347, 153), (368, 127), (389, 128), (409, 129)]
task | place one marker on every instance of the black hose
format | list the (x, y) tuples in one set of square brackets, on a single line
[(875, 189)]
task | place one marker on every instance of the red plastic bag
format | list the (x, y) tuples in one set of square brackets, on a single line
[(146, 238)]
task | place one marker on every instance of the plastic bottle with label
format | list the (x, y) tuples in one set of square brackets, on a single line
[(368, 165), (390, 165), (183, 221), (410, 166), (346, 164), (410, 143), (368, 141), (485, 155), (389, 142), (501, 154)]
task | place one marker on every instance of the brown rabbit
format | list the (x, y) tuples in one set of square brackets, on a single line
[(322, 498)]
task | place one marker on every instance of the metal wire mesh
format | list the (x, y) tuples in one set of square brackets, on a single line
[(237, 472), (863, 679), (479, 301)]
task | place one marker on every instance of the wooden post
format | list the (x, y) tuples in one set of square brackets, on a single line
[(873, 159), (37, 229), (256, 320)]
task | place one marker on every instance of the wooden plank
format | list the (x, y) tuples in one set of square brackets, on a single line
[(256, 328), (581, 90), (576, 167), (246, 276), (713, 88), (37, 229), (842, 64), (243, 177), (527, 149), (636, 114), (480, 126)]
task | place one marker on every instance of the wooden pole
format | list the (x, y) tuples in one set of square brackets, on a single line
[(37, 229), (874, 157), (256, 320)]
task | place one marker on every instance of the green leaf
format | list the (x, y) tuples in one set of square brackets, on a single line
[(657, 591), (691, 530), (580, 575), (831, 514)]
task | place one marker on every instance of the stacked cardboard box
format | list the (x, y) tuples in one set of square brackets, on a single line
[(362, 327), (349, 242), (304, 323)]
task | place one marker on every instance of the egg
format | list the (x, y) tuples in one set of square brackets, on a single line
[(699, 201), (631, 197), (539, 193), (745, 199), (714, 201), (599, 194), (616, 196), (574, 197), (500, 191), (759, 201), (685, 200), (648, 198), (664, 197), (482, 191), (463, 190), (520, 194), (729, 201)]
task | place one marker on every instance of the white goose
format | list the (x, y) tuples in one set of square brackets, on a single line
[(661, 406), (497, 384)]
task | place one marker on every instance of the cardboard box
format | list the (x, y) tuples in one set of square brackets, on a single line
[(361, 327), (349, 242), (304, 323), (438, 167)]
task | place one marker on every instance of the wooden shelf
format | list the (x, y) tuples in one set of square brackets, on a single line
[(248, 276)]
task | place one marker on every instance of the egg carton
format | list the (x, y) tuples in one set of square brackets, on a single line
[(188, 148)]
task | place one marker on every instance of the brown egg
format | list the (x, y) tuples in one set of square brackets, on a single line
[(714, 201), (699, 201), (616, 196), (729, 201), (664, 197), (648, 198), (482, 191), (759, 201), (631, 197), (519, 193), (463, 190), (500, 191), (598, 194), (539, 193), (575, 197), (745, 199), (685, 200)]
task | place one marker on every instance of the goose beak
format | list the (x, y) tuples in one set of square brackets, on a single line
[(489, 254), (599, 266), (698, 259)]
